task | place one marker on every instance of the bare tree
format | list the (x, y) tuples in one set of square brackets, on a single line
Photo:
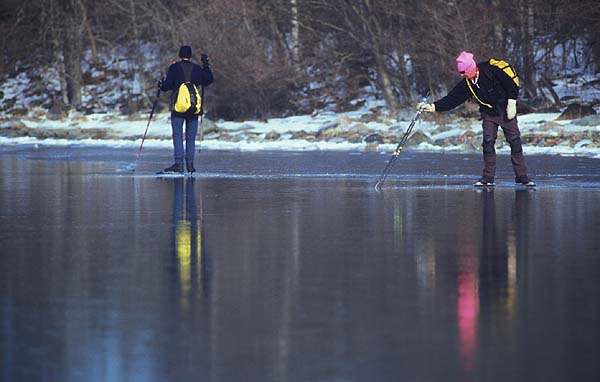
[(528, 71), (72, 49), (369, 38), (63, 20), (295, 30), (88, 31), (51, 19), (274, 57)]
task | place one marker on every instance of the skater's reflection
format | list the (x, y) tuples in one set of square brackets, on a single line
[(188, 242), (487, 281), (469, 283), (523, 216), (498, 268)]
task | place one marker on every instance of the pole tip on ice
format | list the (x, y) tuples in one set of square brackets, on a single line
[(128, 168)]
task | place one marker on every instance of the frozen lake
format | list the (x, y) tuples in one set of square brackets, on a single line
[(291, 267)]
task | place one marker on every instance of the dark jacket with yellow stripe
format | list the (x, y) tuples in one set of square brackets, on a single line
[(494, 87)]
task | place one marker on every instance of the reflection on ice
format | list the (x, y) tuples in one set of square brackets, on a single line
[(187, 241), (269, 277)]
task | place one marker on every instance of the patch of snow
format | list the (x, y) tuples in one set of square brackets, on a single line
[(447, 134)]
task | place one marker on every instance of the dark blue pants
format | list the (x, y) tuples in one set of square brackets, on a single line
[(191, 128)]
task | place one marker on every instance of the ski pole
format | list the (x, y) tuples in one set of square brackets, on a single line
[(205, 65), (147, 125), (201, 115), (399, 147)]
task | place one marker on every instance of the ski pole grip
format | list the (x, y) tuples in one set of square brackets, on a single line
[(426, 97)]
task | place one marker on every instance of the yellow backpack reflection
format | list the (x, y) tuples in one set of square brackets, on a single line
[(187, 98)]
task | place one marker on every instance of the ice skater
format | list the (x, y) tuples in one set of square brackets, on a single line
[(186, 72), (495, 86)]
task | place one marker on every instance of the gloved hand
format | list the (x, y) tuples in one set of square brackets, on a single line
[(511, 109), (160, 82), (204, 60), (428, 107)]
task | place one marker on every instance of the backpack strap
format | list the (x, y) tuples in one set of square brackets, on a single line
[(507, 69), (187, 68)]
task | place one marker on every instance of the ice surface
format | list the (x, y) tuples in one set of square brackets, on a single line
[(272, 266)]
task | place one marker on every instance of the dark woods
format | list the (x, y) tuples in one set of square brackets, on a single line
[(279, 57)]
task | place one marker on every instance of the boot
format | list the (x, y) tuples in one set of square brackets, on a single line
[(524, 180), (190, 167), (175, 168), (485, 181)]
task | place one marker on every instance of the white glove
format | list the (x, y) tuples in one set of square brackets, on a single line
[(511, 109), (429, 107)]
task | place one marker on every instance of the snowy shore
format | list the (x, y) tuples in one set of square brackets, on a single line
[(26, 119), (353, 131)]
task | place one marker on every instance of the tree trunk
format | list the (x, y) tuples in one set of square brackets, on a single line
[(528, 70), (463, 28), (530, 81), (374, 30), (72, 63), (56, 33), (498, 30), (385, 83), (405, 81), (137, 82), (88, 31), (295, 32), (553, 93), (62, 79), (71, 50)]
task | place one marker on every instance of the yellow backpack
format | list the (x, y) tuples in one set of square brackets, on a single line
[(506, 68), (187, 98)]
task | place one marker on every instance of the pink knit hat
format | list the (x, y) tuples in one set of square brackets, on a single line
[(465, 62)]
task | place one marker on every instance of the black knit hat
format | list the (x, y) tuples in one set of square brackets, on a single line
[(185, 51)]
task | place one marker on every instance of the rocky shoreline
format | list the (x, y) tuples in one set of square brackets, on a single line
[(460, 133)]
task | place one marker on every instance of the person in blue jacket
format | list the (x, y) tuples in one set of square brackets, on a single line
[(496, 92), (201, 76)]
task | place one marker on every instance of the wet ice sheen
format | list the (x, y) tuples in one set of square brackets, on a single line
[(280, 269)]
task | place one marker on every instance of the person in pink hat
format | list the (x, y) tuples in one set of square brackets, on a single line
[(495, 86)]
